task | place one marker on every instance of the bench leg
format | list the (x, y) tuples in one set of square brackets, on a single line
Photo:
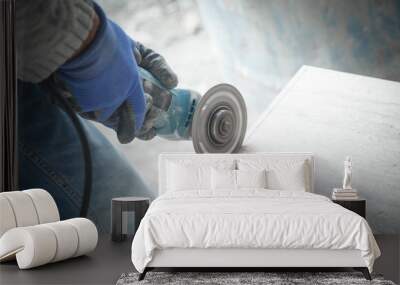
[(364, 271), (143, 274)]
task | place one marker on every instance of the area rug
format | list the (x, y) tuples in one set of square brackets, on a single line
[(269, 278)]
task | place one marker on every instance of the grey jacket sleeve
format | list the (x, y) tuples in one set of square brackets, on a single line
[(48, 32)]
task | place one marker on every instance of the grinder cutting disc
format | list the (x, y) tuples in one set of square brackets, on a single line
[(220, 121)]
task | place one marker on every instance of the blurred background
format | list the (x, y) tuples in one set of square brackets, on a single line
[(257, 46)]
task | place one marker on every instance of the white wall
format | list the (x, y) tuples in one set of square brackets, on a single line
[(334, 114)]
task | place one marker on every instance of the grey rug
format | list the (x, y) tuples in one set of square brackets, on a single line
[(269, 278)]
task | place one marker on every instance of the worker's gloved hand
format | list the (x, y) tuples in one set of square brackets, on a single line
[(105, 83), (157, 99)]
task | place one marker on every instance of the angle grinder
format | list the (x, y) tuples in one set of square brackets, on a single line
[(215, 122)]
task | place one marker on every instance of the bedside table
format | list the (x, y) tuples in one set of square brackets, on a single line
[(358, 206), (120, 209)]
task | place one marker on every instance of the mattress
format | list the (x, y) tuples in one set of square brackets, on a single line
[(250, 218)]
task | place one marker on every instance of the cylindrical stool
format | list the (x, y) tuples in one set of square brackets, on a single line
[(119, 214)]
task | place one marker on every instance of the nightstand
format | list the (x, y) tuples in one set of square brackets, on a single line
[(358, 206), (120, 211)]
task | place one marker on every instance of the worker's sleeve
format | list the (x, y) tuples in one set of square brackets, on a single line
[(105, 75), (48, 33)]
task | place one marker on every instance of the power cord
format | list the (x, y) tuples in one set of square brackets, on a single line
[(55, 90)]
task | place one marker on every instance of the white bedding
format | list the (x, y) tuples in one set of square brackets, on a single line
[(250, 218)]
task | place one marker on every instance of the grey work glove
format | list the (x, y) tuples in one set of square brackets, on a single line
[(157, 99)]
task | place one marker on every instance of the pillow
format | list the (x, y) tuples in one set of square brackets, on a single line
[(183, 177), (193, 174), (251, 178), (223, 179), (287, 178), (282, 174)]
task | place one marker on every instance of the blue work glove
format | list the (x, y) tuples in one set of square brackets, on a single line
[(105, 83), (157, 99)]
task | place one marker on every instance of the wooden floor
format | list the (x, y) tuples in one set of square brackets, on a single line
[(110, 260)]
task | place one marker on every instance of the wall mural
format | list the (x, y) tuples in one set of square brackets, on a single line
[(329, 113)]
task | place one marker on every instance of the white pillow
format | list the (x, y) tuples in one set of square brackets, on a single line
[(223, 179), (287, 178), (188, 177), (251, 178), (282, 174), (193, 174)]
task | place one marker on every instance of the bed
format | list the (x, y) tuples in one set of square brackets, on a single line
[(245, 211)]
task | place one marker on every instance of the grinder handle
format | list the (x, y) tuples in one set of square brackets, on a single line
[(144, 74), (161, 102)]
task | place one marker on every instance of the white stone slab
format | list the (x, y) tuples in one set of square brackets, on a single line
[(335, 114)]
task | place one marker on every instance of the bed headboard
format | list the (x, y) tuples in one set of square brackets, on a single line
[(165, 158)]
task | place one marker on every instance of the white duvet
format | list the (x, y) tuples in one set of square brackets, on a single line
[(250, 219)]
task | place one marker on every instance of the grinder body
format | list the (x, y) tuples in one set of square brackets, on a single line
[(215, 122), (174, 121)]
